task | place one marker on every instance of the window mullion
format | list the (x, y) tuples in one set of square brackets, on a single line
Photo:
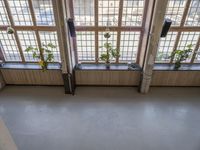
[(176, 44), (119, 25), (187, 6), (36, 31), (15, 33), (144, 18), (96, 31), (1, 54), (181, 25), (195, 51)]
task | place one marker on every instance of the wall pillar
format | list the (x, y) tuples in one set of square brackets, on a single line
[(153, 41), (2, 82)]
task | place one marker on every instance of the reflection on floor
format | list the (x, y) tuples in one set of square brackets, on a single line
[(102, 118), (6, 141)]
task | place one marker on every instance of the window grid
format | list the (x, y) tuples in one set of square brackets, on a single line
[(21, 16), (132, 13), (129, 46), (186, 39), (9, 47), (28, 38), (44, 12), (102, 40), (84, 12), (108, 11), (193, 16), (175, 11), (47, 37), (108, 16), (20, 12), (165, 47), (3, 15), (86, 46)]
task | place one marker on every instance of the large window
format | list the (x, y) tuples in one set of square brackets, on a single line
[(185, 30), (124, 19), (34, 25)]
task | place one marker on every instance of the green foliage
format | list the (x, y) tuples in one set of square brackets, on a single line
[(181, 55), (110, 51), (10, 30), (46, 50), (162, 56)]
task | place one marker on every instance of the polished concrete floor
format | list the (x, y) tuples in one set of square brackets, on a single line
[(102, 118)]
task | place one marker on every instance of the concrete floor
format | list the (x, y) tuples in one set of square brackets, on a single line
[(102, 118)]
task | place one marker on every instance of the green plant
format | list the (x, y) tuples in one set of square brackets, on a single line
[(181, 55), (10, 30), (44, 55), (162, 56), (110, 51)]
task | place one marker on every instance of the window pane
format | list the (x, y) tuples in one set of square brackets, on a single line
[(9, 47), (3, 14), (197, 59), (102, 40), (132, 13), (186, 39), (108, 12), (86, 46), (165, 48), (44, 12), (28, 38), (193, 16), (129, 46), (84, 12), (175, 11), (51, 37), (20, 12)]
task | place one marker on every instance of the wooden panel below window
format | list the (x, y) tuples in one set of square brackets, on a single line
[(32, 77), (176, 78), (112, 78)]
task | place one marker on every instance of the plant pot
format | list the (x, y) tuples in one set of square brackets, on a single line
[(107, 65), (177, 65)]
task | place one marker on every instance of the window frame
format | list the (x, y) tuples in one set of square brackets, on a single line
[(181, 29), (119, 28), (34, 28)]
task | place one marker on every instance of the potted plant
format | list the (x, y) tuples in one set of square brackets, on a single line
[(181, 55), (46, 52), (110, 52)]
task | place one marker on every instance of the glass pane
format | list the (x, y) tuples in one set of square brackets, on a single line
[(86, 46), (102, 40), (132, 13), (9, 47), (108, 12), (186, 39), (44, 12), (3, 14), (129, 46), (193, 16), (197, 59), (28, 38), (20, 12), (51, 37), (84, 12), (165, 47), (175, 11)]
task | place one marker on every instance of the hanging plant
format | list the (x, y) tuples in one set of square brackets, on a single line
[(10, 30), (46, 51)]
